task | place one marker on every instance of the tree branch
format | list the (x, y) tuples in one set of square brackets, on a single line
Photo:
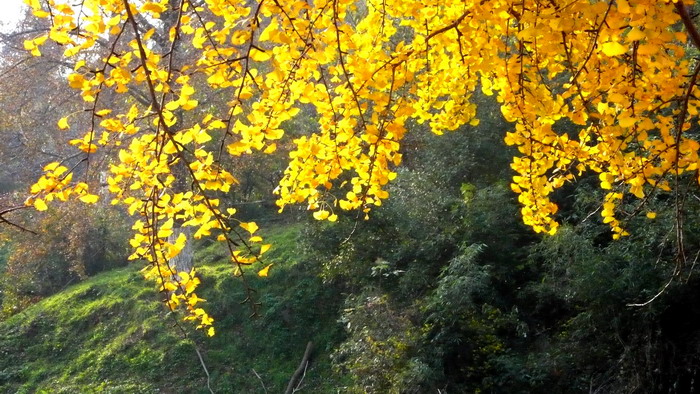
[(688, 23), (300, 369)]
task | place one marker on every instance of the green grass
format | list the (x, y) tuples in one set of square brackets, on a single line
[(110, 333)]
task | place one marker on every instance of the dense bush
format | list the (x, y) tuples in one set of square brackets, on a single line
[(72, 242), (446, 289)]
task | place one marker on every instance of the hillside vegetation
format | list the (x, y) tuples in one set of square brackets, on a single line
[(109, 334)]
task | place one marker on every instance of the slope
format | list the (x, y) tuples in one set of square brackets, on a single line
[(109, 333)]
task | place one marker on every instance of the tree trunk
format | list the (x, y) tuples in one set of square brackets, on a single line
[(184, 260)]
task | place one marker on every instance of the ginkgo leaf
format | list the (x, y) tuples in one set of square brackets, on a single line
[(613, 48), (626, 121), (172, 106), (251, 227), (63, 124), (265, 271), (202, 137), (321, 215), (270, 30), (153, 7), (51, 166), (259, 55), (40, 205), (636, 34), (89, 198), (190, 104)]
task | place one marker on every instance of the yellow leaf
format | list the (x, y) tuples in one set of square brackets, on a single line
[(251, 227), (63, 124), (90, 198), (613, 48), (271, 28), (321, 215), (651, 215), (189, 104), (265, 271), (172, 106), (41, 13), (169, 286), (626, 122), (51, 166), (40, 205), (636, 34), (259, 56), (153, 7), (265, 248), (202, 137), (270, 148)]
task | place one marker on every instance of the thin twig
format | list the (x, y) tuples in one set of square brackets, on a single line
[(298, 388), (3, 219), (260, 379), (204, 367), (656, 296)]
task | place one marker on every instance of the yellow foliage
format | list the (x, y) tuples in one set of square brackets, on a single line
[(617, 70)]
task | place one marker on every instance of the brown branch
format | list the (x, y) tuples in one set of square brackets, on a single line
[(452, 25), (3, 219), (688, 23)]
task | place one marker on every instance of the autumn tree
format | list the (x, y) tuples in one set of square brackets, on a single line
[(617, 70)]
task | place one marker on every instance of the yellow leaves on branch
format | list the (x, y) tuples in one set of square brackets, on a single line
[(56, 184), (616, 70)]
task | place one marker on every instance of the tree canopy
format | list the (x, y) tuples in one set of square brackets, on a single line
[(174, 87)]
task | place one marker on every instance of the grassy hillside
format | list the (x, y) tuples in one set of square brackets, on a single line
[(109, 333)]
